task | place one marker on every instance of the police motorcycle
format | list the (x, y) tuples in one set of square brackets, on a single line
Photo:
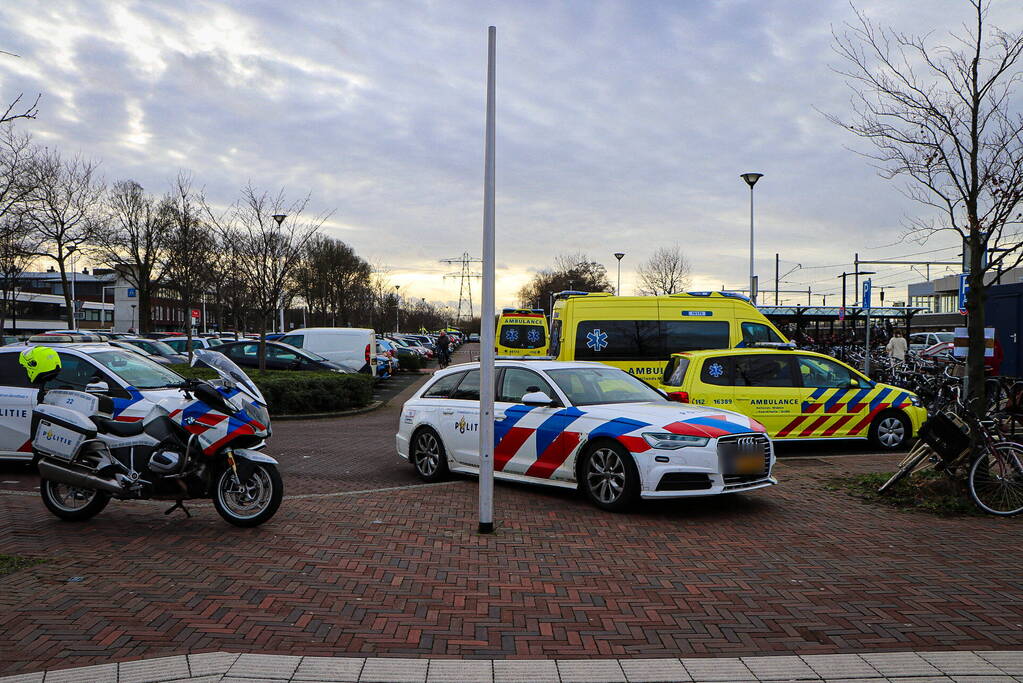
[(198, 446)]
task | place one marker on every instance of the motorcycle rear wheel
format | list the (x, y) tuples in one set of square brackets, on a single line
[(252, 503), (72, 504)]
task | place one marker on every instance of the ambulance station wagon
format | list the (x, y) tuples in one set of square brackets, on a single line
[(796, 395), (587, 426)]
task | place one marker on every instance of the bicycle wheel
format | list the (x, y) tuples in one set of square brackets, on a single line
[(996, 480), (911, 463)]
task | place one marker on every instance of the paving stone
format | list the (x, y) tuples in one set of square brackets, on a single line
[(984, 679), (1009, 661), (920, 679), (209, 663), (895, 664), (102, 673), (329, 669), (460, 671), (394, 670), (36, 677), (874, 679), (961, 664), (840, 666), (153, 670), (590, 671), (525, 671), (654, 670), (279, 667), (781, 668), (717, 669), (215, 678), (234, 679)]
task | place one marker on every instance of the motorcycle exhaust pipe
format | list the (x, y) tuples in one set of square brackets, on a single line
[(64, 475)]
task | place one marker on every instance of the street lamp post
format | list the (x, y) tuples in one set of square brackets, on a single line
[(751, 180), (857, 273), (133, 317), (279, 217), (397, 308), (619, 255)]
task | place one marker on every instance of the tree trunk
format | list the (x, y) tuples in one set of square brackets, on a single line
[(68, 304), (188, 327), (262, 342), (145, 309), (975, 300)]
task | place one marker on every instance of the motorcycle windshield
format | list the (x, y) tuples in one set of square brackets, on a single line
[(228, 371)]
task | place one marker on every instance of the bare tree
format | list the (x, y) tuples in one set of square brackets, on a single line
[(62, 210), (17, 110), (134, 239), (18, 245), (16, 156), (271, 249), (190, 250), (666, 272), (941, 116)]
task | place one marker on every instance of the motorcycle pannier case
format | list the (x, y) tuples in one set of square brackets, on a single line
[(59, 432)]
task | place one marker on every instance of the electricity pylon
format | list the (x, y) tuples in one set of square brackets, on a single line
[(465, 275)]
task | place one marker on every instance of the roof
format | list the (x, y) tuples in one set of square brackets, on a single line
[(745, 351), (534, 364), (84, 347), (834, 311)]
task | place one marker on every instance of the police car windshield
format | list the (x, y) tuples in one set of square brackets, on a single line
[(136, 370), (593, 386)]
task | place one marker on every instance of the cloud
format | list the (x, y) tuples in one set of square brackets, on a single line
[(621, 125)]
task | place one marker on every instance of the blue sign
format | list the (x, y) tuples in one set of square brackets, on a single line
[(964, 289), (701, 314), (866, 293), (596, 340), (132, 293)]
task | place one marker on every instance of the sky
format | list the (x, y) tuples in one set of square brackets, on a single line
[(621, 126)]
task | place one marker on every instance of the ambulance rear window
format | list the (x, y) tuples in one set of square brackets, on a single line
[(675, 371), (523, 336)]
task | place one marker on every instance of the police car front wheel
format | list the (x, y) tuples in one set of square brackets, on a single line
[(428, 456), (890, 431), (609, 478)]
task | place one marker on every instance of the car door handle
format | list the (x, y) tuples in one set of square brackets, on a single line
[(447, 412)]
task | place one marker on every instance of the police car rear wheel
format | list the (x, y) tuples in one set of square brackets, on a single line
[(890, 431), (428, 456), (610, 479), (70, 503)]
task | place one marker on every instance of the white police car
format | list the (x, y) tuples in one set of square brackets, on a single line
[(583, 424), (134, 382)]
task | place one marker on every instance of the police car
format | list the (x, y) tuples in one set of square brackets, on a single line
[(586, 425), (796, 394), (133, 382)]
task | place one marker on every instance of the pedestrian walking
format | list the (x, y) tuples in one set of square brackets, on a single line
[(897, 347)]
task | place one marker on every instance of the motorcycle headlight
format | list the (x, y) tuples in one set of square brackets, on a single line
[(668, 442)]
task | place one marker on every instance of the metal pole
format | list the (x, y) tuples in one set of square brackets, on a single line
[(866, 363), (751, 292), (618, 290), (856, 276), (204, 329), (74, 312), (486, 448)]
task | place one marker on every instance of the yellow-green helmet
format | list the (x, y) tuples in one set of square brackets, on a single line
[(40, 362)]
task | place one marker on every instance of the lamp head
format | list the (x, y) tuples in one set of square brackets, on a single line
[(751, 178), (279, 217), (619, 255)]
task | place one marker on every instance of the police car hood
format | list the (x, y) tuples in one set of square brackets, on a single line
[(679, 418)]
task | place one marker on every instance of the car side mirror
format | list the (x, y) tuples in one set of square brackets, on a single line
[(537, 398), (97, 387)]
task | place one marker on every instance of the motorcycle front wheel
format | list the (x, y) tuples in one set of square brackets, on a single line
[(70, 503), (252, 502)]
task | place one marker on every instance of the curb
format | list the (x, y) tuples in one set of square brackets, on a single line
[(323, 416)]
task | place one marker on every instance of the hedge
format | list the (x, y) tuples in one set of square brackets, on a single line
[(411, 361), (299, 392)]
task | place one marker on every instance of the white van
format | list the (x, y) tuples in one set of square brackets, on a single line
[(353, 347)]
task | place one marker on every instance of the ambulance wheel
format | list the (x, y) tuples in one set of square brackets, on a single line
[(891, 431), (428, 456), (70, 503), (609, 477)]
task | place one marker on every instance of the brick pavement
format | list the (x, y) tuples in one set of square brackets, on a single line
[(792, 569)]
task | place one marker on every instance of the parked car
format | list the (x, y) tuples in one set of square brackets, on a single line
[(8, 339), (180, 344), (140, 351), (157, 348), (350, 346), (279, 356), (474, 338), (918, 341), (65, 337)]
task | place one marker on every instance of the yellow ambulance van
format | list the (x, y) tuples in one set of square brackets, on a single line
[(522, 332), (639, 333)]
